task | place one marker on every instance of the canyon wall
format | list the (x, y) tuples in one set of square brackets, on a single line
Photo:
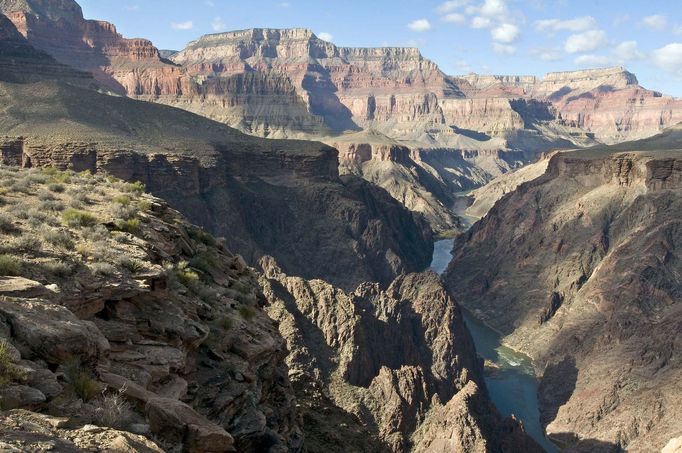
[(400, 361), (580, 269)]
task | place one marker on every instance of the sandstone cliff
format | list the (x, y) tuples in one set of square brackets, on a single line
[(400, 362), (116, 312), (580, 269)]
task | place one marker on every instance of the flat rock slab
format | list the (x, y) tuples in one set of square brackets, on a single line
[(22, 287)]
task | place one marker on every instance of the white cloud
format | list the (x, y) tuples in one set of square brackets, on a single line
[(480, 22), (454, 18), (217, 24), (504, 49), (505, 33), (592, 61), (669, 58), (463, 66), (628, 50), (585, 42), (494, 8), (677, 29), (284, 5), (419, 25), (655, 22), (324, 36), (132, 8), (188, 25), (575, 25), (451, 5), (209, 3), (551, 54)]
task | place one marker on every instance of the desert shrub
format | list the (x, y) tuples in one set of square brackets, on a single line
[(58, 268), (79, 197), (247, 312), (123, 200), (131, 226), (205, 261), (57, 188), (77, 218), (104, 269), (136, 187), (21, 185), (144, 205), (8, 371), (44, 195), (132, 265), (97, 233), (7, 225), (184, 274), (60, 178), (80, 380), (126, 212), (52, 205), (27, 244), (10, 265), (58, 238), (112, 410), (226, 323), (200, 235), (49, 170)]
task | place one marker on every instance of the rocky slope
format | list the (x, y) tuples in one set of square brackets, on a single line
[(116, 312), (281, 198), (580, 268), (399, 362)]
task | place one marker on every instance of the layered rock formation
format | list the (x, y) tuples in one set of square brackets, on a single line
[(281, 198), (401, 362), (580, 269), (118, 313)]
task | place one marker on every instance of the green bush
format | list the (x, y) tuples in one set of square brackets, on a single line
[(131, 226), (77, 218), (201, 236), (185, 274), (10, 265), (133, 265), (80, 380), (8, 371), (134, 187), (247, 312), (123, 200), (58, 188)]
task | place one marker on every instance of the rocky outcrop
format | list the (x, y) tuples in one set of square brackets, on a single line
[(118, 313), (401, 362), (579, 268)]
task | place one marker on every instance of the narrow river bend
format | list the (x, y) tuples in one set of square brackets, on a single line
[(512, 384)]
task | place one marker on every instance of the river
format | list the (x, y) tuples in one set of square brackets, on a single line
[(512, 385)]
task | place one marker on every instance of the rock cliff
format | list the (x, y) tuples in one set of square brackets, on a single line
[(117, 316), (400, 362), (281, 198), (580, 269)]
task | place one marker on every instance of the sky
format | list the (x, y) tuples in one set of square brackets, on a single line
[(485, 36)]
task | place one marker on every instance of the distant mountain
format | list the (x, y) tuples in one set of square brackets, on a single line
[(454, 133)]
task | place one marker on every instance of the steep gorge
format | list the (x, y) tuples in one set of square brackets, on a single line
[(580, 269)]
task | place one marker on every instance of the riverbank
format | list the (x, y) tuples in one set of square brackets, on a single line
[(510, 379)]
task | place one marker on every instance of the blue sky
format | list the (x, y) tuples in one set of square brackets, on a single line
[(484, 36)]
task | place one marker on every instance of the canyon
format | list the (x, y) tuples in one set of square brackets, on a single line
[(269, 291)]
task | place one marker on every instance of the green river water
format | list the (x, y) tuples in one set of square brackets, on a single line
[(513, 386)]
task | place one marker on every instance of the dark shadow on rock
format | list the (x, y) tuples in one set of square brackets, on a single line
[(556, 387), (571, 443)]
